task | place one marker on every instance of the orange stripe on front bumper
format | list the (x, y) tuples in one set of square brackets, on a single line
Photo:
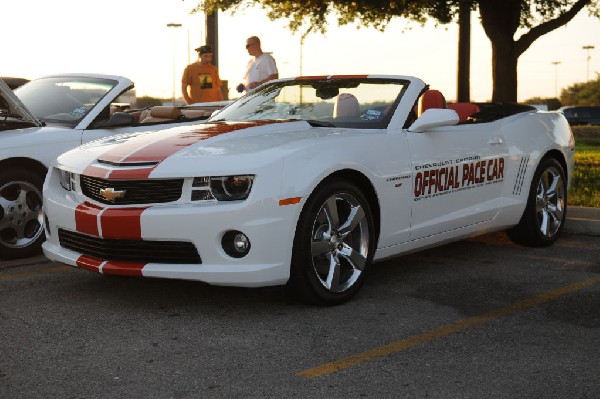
[(122, 223), (89, 263), (86, 218), (116, 268)]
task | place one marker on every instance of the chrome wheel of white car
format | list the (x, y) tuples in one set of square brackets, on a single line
[(21, 218), (545, 213), (550, 205), (334, 245)]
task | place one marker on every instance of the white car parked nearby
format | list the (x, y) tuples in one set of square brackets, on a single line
[(307, 181), (49, 116)]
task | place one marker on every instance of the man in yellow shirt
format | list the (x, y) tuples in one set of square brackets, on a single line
[(200, 82)]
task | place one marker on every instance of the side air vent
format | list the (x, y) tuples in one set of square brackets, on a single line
[(521, 176)]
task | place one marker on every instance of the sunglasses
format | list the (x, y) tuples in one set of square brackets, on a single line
[(249, 44)]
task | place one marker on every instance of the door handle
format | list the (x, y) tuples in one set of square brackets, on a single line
[(496, 140)]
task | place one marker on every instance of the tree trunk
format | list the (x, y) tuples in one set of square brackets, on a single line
[(500, 20), (463, 87), (504, 71)]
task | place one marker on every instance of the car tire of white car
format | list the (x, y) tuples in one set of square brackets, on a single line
[(545, 213), (334, 245), (21, 219)]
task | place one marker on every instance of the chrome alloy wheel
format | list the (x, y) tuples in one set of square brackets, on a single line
[(340, 242), (21, 217), (550, 202)]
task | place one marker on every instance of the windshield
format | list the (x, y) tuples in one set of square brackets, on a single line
[(365, 103), (65, 100)]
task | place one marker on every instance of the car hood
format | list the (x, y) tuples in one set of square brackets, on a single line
[(15, 106), (208, 139)]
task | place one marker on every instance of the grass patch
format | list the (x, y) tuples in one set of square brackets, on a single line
[(585, 186)]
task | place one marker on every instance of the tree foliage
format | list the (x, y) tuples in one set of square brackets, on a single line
[(501, 20), (551, 103), (378, 13), (582, 94)]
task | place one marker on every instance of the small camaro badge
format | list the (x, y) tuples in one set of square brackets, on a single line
[(110, 194)]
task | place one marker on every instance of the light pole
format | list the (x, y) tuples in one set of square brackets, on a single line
[(174, 25), (556, 64), (587, 71)]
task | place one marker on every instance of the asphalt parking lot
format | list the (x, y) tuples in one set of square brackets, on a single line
[(477, 318)]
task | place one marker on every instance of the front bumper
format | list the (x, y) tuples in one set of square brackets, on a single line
[(269, 226)]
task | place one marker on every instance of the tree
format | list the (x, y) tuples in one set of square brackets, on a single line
[(501, 19), (552, 103), (582, 94)]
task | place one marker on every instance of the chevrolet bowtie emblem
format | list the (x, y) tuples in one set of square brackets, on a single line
[(110, 194)]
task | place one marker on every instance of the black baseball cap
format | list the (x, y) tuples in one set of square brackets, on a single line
[(204, 49)]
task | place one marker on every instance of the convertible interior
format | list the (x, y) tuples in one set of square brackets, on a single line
[(468, 112), (159, 114)]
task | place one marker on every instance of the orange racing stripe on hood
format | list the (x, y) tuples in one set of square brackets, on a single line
[(146, 149)]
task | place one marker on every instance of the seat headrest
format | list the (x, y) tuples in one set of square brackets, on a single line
[(346, 105), (431, 99), (464, 110), (165, 111)]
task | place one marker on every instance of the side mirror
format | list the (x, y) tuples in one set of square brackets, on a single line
[(434, 117)]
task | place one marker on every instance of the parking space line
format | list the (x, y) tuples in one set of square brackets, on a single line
[(460, 325), (52, 269)]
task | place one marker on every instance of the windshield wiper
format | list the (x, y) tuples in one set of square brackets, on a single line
[(316, 123)]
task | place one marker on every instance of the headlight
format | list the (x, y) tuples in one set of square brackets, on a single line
[(231, 188), (67, 179), (222, 188)]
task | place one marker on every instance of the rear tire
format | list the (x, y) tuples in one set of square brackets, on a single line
[(21, 218), (333, 246), (544, 216)]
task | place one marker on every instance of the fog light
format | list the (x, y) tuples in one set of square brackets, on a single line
[(235, 244)]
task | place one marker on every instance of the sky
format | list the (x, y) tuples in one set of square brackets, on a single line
[(131, 38)]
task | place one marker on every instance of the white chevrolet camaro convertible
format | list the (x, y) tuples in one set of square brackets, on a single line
[(308, 181), (48, 116)]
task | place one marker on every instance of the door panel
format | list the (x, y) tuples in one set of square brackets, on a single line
[(458, 175)]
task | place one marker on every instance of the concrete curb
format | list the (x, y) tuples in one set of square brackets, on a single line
[(583, 220)]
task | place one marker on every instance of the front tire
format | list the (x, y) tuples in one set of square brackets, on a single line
[(21, 218), (333, 246), (546, 209)]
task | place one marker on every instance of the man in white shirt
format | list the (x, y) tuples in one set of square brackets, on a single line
[(260, 69)]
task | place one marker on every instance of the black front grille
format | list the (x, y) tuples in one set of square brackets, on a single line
[(130, 250), (149, 191)]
